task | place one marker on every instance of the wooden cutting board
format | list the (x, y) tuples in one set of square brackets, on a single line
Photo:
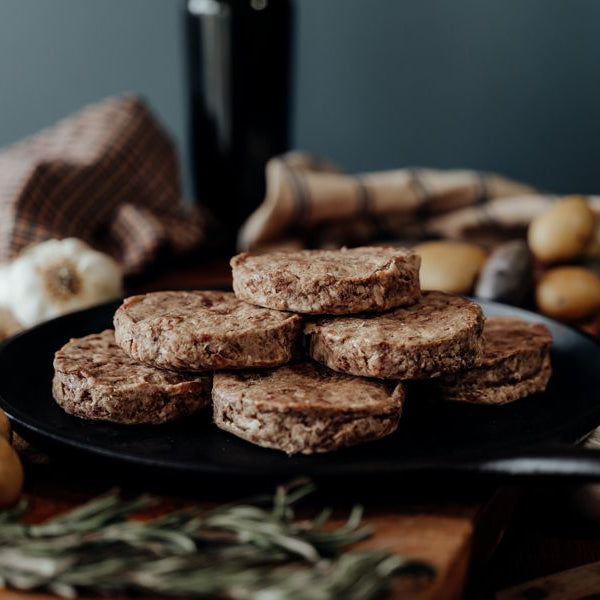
[(446, 532)]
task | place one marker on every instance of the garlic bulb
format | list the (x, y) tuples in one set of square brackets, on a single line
[(8, 324), (56, 277), (4, 269)]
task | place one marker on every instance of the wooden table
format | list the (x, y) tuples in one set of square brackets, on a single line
[(454, 532), (437, 526)]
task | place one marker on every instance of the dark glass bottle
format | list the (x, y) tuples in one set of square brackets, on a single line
[(239, 93)]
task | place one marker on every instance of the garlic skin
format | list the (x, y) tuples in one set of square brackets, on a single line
[(4, 284), (57, 277), (8, 324)]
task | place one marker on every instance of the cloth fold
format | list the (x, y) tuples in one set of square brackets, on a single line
[(107, 175), (316, 204)]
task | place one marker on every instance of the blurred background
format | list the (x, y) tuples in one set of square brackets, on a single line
[(505, 86), (184, 130)]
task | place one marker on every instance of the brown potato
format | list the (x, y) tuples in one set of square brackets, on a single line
[(569, 293), (562, 232), (449, 266), (507, 276), (5, 430), (11, 474)]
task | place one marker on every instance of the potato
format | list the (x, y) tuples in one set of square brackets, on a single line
[(562, 232), (507, 276), (449, 266), (569, 293), (5, 430), (11, 474)]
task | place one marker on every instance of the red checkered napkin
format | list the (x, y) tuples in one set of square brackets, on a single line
[(107, 175)]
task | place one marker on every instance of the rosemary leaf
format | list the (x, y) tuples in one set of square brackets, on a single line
[(62, 589), (28, 562), (14, 512), (250, 551), (92, 515)]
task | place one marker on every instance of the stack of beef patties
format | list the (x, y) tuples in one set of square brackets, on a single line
[(308, 354)]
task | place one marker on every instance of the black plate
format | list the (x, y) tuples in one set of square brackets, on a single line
[(523, 438)]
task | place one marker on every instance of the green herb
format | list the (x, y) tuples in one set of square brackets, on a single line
[(251, 551)]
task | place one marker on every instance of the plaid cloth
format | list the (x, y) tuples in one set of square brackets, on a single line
[(314, 204), (107, 175)]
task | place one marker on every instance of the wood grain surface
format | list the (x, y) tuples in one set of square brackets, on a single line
[(441, 533), (581, 583)]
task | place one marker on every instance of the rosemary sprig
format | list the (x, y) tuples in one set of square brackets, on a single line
[(249, 551)]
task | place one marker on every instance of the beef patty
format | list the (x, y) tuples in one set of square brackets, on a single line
[(514, 363), (305, 408), (95, 379), (439, 334), (200, 331), (329, 281)]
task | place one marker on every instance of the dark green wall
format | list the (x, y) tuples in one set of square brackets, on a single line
[(508, 85), (505, 85)]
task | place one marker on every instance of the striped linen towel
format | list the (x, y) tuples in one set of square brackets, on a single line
[(107, 175), (311, 203)]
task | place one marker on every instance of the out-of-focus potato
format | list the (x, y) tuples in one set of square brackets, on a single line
[(569, 293), (11, 474), (449, 266), (507, 276), (562, 232)]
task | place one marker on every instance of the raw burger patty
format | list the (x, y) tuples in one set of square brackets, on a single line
[(329, 281), (514, 363), (200, 331), (440, 334), (95, 379), (305, 408), (500, 393)]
